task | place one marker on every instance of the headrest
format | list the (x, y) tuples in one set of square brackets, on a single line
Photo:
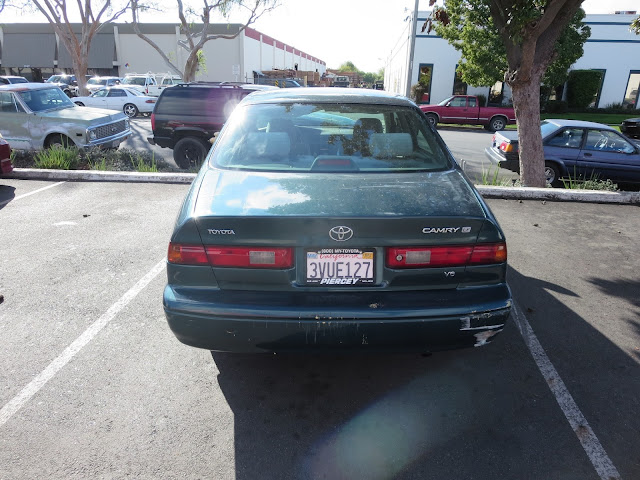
[(268, 144), (390, 144), (369, 124)]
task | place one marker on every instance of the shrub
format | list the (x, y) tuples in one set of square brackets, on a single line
[(417, 92), (58, 157), (582, 86), (557, 106)]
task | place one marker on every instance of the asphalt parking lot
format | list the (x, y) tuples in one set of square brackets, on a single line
[(94, 385)]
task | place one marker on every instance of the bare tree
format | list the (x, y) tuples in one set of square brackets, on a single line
[(196, 35), (58, 14)]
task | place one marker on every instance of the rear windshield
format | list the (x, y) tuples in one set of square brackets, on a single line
[(134, 81), (329, 137)]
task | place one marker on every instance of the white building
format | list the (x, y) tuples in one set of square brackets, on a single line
[(612, 48), (34, 51)]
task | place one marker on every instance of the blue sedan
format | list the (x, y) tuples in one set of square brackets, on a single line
[(576, 149)]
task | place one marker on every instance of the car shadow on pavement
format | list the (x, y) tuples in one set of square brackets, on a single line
[(602, 377), (7, 194), (444, 416), (627, 290)]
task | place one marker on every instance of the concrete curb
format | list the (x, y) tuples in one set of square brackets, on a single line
[(509, 193), (559, 195), (101, 176)]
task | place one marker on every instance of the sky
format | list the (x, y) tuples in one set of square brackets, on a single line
[(335, 31)]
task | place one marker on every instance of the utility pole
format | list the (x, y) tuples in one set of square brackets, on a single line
[(412, 47)]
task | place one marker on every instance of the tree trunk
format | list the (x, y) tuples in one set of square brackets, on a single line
[(191, 67), (80, 67), (526, 103)]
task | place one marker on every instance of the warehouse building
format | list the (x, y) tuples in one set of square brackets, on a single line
[(34, 51), (611, 49)]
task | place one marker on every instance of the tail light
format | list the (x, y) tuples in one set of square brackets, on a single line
[(238, 257), (187, 254), (506, 147), (153, 121), (447, 256), (150, 101)]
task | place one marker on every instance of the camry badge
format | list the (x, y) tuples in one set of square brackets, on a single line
[(340, 234)]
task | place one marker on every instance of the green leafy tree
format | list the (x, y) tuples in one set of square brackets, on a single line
[(525, 44), (635, 26), (348, 67), (369, 77)]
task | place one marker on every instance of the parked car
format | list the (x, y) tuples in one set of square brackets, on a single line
[(127, 100), (67, 83), (276, 82), (38, 115), (151, 84), (466, 109), (333, 219), (7, 79), (5, 157), (96, 83), (631, 127), (188, 115), (574, 149)]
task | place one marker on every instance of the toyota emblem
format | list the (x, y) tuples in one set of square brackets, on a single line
[(340, 234)]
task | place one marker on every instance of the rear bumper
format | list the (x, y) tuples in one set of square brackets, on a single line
[(221, 321), (631, 130), (163, 142), (498, 159)]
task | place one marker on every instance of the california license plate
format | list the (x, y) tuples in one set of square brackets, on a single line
[(340, 266)]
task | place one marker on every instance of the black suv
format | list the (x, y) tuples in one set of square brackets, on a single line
[(188, 115)]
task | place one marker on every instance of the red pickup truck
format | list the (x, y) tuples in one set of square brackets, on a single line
[(465, 109)]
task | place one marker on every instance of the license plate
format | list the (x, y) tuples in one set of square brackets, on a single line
[(340, 266)]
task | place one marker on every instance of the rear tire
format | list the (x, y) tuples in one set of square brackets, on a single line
[(552, 174), (497, 124), (189, 152), (432, 118), (130, 110)]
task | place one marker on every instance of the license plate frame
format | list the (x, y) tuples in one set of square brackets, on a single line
[(328, 267)]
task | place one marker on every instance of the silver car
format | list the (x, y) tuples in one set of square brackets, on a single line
[(36, 115)]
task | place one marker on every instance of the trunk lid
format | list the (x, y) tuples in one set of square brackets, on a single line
[(314, 213)]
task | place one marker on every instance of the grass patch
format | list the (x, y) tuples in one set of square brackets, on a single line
[(58, 157), (142, 164), (614, 119), (591, 183), (122, 159)]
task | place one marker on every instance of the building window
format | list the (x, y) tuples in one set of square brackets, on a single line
[(424, 77), (631, 94), (459, 87), (596, 98)]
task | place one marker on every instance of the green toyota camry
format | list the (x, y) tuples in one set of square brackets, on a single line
[(334, 219)]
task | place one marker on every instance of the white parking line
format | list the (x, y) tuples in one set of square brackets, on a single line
[(17, 402), (592, 446), (4, 202)]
